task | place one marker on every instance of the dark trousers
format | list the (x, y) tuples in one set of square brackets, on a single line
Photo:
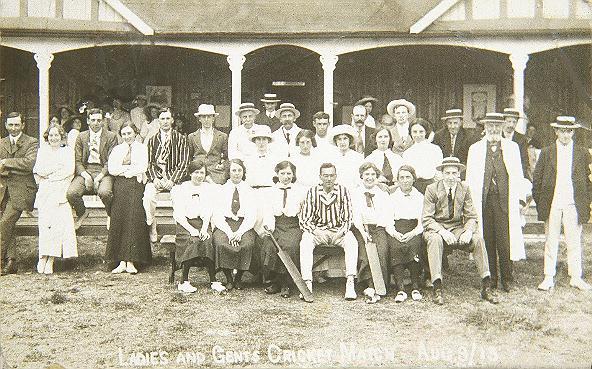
[(77, 190), (496, 233), (10, 216)]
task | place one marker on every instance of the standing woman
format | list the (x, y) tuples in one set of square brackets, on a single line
[(64, 113), (306, 159), (234, 218), (151, 125), (74, 125), (405, 230), (192, 210), (54, 170), (284, 201), (423, 155), (383, 157), (128, 242)]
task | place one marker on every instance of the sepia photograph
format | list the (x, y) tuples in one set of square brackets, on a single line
[(295, 184)]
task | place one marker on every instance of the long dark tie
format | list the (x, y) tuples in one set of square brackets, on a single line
[(387, 170), (235, 202), (369, 197), (288, 137), (285, 199), (450, 204)]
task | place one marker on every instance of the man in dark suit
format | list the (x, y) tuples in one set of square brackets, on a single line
[(268, 117), (209, 144), (450, 221), (364, 141), (562, 191), (453, 139), (92, 151), (17, 185), (511, 117), (168, 157)]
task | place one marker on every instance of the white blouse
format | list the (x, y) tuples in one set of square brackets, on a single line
[(223, 206), (261, 169), (377, 213), (239, 142), (138, 164), (307, 167), (191, 201), (72, 136), (348, 168), (395, 160), (406, 207), (275, 199), (424, 157)]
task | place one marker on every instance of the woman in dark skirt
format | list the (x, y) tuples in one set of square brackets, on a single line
[(405, 232), (234, 218), (284, 201), (128, 241), (192, 210)]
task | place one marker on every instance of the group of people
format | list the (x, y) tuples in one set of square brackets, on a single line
[(417, 194)]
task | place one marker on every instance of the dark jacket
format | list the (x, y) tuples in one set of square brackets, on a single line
[(464, 139), (520, 139), (82, 150), (216, 160), (16, 177), (263, 119)]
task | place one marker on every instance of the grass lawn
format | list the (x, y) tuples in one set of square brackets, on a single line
[(88, 318)]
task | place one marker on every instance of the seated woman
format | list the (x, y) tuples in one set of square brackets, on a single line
[(423, 155), (234, 218), (306, 159), (74, 125), (128, 242), (383, 157), (405, 230), (370, 204), (54, 170), (192, 210), (284, 201)]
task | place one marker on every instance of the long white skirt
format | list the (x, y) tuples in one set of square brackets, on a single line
[(56, 231)]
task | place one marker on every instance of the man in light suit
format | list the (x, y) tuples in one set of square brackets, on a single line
[(17, 185), (402, 112), (92, 151), (449, 220), (209, 144), (562, 191), (284, 139), (364, 142), (495, 177), (268, 116)]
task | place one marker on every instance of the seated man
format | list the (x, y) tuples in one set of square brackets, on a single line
[(325, 218), (450, 220), (168, 157)]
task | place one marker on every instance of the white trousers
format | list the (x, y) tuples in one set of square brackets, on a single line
[(149, 202), (568, 217), (307, 246)]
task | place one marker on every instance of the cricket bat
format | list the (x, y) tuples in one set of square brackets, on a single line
[(375, 268), (292, 270)]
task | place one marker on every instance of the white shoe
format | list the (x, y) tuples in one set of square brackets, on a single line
[(350, 291), (120, 268), (369, 292), (186, 287), (401, 296), (108, 222), (546, 284), (153, 232), (309, 286), (48, 266), (218, 287), (416, 295), (41, 264), (130, 268), (580, 284), (371, 296)]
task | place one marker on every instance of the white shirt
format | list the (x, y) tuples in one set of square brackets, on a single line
[(14, 140), (307, 167), (280, 145), (139, 161), (72, 136), (406, 206), (448, 189), (275, 200), (239, 142), (348, 167), (395, 160), (223, 206), (95, 136), (261, 168), (424, 157), (376, 214), (402, 129), (270, 114), (191, 201), (206, 136), (564, 193), (164, 136)]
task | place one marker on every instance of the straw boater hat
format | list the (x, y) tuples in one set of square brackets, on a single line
[(390, 108), (452, 113), (287, 106), (261, 130), (365, 99), (565, 122), (246, 107), (270, 98), (497, 118), (205, 109), (451, 161), (512, 112), (343, 129)]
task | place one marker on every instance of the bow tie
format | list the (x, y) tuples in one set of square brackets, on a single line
[(369, 197)]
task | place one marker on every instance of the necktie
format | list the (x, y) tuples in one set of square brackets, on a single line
[(285, 198), (360, 143), (288, 137), (235, 202), (127, 159), (450, 204), (387, 170), (452, 142), (94, 156), (369, 197)]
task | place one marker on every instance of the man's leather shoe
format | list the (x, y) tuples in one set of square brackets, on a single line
[(438, 296), (9, 267), (488, 295), (273, 289)]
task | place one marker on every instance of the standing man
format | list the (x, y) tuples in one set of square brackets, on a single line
[(209, 144), (320, 121), (168, 157), (364, 139), (269, 117), (450, 221), (326, 217), (498, 186), (17, 185), (511, 117), (137, 114), (285, 137), (368, 102), (562, 191), (346, 160), (92, 151), (402, 112), (453, 139), (239, 139)]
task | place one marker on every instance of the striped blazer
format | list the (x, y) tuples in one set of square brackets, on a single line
[(176, 164), (332, 211)]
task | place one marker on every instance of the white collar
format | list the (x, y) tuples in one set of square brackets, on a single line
[(14, 140), (96, 134), (563, 147)]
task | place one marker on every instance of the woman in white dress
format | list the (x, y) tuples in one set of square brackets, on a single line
[(423, 156), (54, 170), (151, 126), (384, 158), (306, 159)]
